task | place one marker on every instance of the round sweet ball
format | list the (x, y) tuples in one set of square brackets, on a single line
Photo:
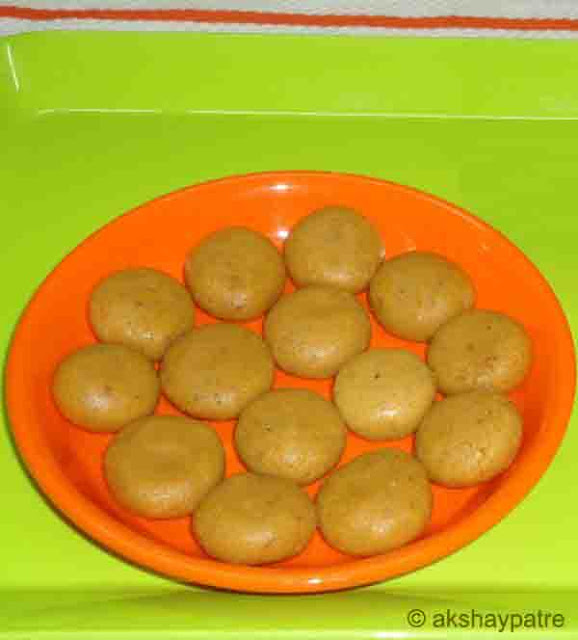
[(213, 372), (334, 246), (103, 387), (469, 438), (141, 308), (480, 350), (235, 274), (383, 394), (414, 294), (163, 466), (315, 330), (290, 433), (377, 502), (254, 519)]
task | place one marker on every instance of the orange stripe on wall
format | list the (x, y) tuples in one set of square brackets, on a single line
[(292, 19)]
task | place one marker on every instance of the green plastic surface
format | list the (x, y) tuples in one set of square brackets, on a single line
[(93, 124)]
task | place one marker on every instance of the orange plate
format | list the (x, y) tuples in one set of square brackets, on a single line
[(66, 461)]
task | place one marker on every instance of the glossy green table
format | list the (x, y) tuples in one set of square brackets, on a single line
[(94, 124)]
